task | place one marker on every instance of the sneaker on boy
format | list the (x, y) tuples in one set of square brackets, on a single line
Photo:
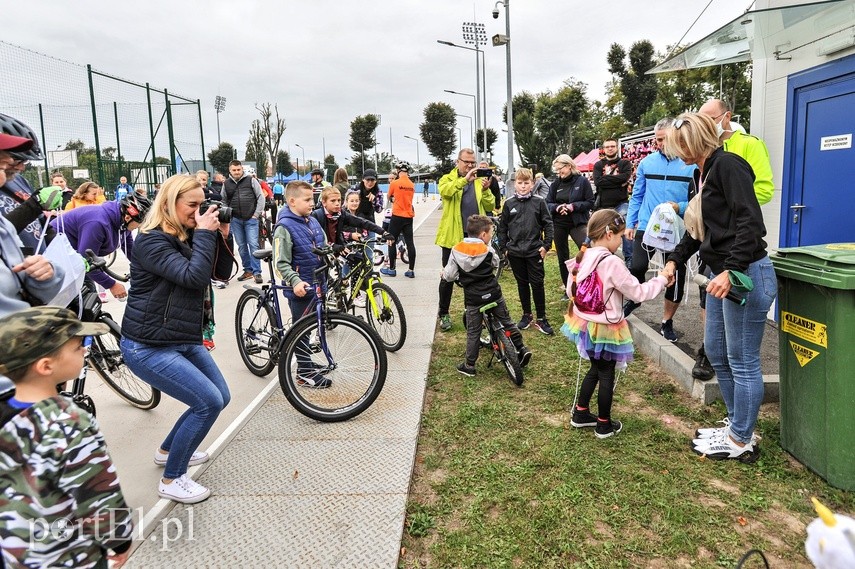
[(466, 369), (543, 326), (525, 321), (524, 356)]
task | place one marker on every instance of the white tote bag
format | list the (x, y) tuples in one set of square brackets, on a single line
[(61, 254), (664, 229)]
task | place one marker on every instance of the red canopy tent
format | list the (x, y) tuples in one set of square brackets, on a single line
[(586, 163)]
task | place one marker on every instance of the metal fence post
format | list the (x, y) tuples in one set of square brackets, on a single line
[(95, 127), (151, 132), (118, 139), (202, 135), (170, 132), (44, 142)]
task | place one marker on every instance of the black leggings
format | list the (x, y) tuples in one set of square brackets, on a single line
[(397, 226), (602, 371), (562, 247), (641, 255)]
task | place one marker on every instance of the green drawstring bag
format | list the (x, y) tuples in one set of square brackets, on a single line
[(740, 282)]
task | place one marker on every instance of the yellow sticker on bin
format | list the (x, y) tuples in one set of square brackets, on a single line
[(803, 355), (804, 328)]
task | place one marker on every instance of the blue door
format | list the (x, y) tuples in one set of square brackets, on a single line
[(818, 204)]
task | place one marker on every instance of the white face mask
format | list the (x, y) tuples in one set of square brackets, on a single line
[(719, 130)]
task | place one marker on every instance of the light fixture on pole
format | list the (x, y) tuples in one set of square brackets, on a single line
[(505, 40), (478, 114), (304, 159), (220, 106), (475, 34), (471, 132), (417, 151)]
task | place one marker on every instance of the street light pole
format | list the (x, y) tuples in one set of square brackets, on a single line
[(304, 158), (483, 81), (476, 110), (417, 151), (506, 41), (220, 106), (471, 132), (362, 154), (475, 34)]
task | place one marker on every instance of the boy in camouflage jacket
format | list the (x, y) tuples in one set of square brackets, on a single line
[(59, 494)]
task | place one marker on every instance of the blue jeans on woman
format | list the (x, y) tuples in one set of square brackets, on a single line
[(188, 373), (732, 338)]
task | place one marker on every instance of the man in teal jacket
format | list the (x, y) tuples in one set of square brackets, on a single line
[(461, 197)]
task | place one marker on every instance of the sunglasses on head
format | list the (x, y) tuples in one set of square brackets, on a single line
[(679, 122)]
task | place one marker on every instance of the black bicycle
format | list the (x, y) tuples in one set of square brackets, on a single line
[(498, 340), (103, 353), (332, 365)]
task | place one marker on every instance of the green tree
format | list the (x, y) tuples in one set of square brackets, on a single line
[(492, 137), (557, 115), (255, 149), (283, 163), (220, 157), (437, 132), (330, 166), (362, 138), (639, 90)]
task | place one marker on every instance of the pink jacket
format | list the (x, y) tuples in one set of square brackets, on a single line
[(618, 283)]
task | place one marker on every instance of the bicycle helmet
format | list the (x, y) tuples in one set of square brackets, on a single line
[(11, 125), (402, 166), (136, 206)]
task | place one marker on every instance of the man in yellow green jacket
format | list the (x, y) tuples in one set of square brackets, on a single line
[(461, 197)]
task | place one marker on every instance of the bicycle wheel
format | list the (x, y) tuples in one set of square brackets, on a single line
[(255, 330), (389, 322), (403, 253), (506, 353), (106, 359), (343, 389)]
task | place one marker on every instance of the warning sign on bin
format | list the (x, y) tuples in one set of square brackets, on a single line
[(803, 355), (804, 328)]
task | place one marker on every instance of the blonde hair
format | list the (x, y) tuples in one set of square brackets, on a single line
[(328, 191), (83, 189), (162, 214), (604, 220), (340, 176), (563, 159), (522, 174), (692, 137)]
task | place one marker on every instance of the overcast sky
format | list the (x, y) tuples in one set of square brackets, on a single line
[(326, 61)]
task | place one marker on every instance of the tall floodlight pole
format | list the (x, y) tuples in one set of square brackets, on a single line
[(220, 106), (483, 88), (505, 40), (417, 151), (475, 34), (304, 158)]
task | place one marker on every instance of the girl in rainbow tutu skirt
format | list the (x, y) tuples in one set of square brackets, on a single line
[(599, 282)]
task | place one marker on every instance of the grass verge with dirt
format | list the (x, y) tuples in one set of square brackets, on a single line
[(502, 480)]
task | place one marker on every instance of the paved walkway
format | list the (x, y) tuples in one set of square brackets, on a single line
[(292, 492)]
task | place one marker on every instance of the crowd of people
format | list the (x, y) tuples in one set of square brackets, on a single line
[(706, 172)]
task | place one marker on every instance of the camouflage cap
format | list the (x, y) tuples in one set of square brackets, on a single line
[(30, 334)]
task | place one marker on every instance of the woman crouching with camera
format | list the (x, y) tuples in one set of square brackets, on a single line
[(168, 306)]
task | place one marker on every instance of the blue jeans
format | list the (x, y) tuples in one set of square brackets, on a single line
[(246, 240), (188, 373), (732, 338), (299, 305)]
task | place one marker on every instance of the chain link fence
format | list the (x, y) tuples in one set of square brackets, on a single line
[(96, 126)]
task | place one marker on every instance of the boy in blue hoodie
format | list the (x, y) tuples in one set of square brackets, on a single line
[(472, 262)]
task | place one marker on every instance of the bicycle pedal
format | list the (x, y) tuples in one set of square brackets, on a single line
[(253, 350)]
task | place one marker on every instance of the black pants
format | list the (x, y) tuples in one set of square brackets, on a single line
[(562, 247), (397, 226), (602, 372), (528, 272), (641, 256), (445, 287), (474, 320)]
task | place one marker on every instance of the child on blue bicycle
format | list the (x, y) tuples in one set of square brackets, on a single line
[(472, 262)]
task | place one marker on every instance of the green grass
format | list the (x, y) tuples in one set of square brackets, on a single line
[(502, 480)]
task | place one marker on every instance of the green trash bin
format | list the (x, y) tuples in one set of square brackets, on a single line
[(816, 309)]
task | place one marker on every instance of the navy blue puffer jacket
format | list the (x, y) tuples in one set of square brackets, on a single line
[(168, 283)]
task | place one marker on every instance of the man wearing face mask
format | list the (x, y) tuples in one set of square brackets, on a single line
[(749, 147)]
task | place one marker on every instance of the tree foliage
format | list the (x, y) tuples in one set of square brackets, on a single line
[(362, 138), (283, 163), (437, 132), (639, 90), (270, 131), (492, 137), (255, 149), (220, 157), (330, 166)]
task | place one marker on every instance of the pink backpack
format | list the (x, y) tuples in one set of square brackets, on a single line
[(587, 296)]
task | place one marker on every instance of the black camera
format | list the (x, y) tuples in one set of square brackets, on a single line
[(484, 172), (224, 213)]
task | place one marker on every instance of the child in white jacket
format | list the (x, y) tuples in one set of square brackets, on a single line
[(595, 321)]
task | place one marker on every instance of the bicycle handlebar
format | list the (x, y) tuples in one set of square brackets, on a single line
[(100, 263)]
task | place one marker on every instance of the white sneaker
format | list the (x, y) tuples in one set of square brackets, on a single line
[(219, 284), (712, 431), (359, 301), (726, 449), (184, 490), (198, 458)]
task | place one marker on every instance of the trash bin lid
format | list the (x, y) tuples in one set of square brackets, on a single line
[(831, 265)]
